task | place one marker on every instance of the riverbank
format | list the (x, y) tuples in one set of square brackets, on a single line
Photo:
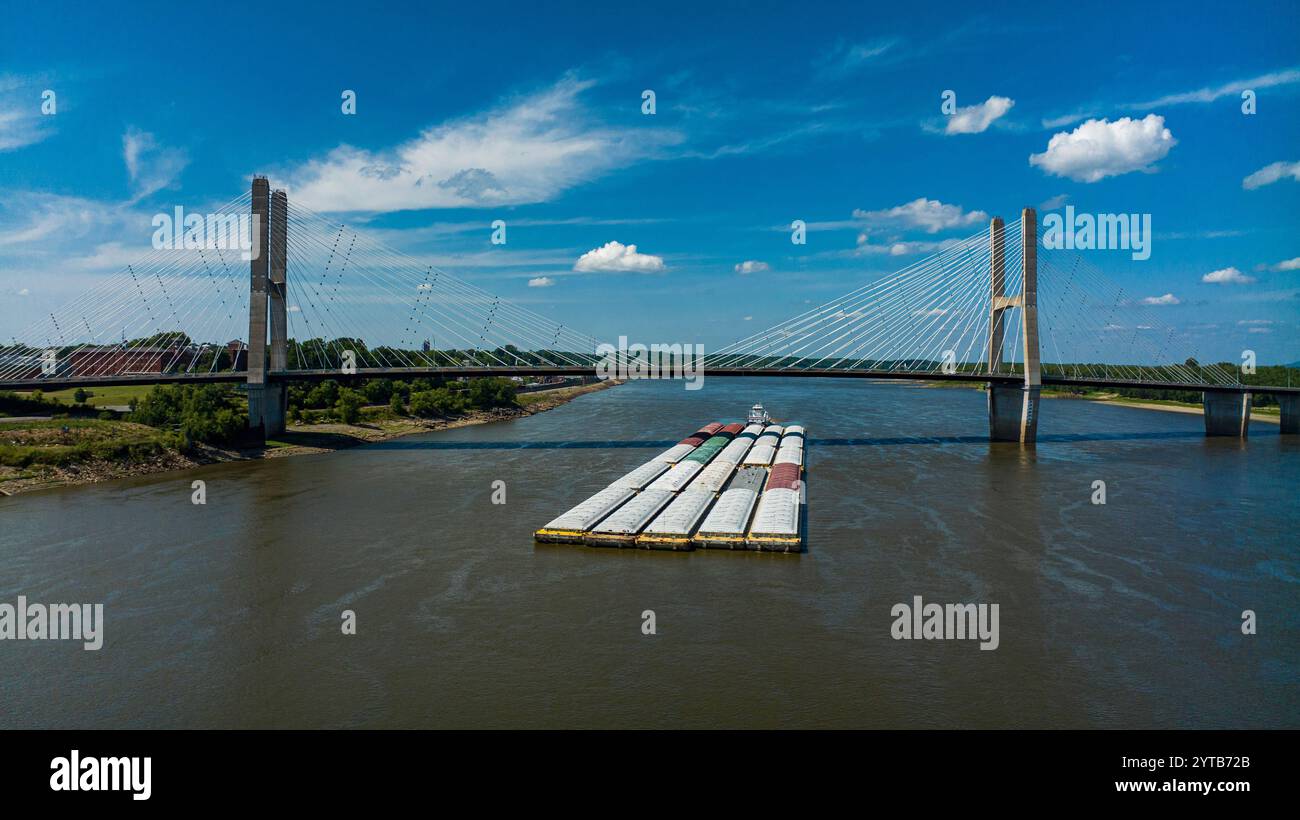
[(1271, 415), (152, 456)]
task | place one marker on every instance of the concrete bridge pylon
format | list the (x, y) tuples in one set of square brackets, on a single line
[(1013, 408), (267, 400)]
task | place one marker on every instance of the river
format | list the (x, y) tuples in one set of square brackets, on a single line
[(1121, 615)]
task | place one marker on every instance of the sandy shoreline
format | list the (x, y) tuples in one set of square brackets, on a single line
[(1117, 401), (1171, 408), (302, 439)]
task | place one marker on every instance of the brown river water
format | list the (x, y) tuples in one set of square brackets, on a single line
[(1120, 615)]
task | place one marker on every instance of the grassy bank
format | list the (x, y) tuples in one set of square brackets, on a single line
[(191, 427), (60, 442), (120, 396)]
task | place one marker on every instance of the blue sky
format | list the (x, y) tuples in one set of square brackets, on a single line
[(765, 113)]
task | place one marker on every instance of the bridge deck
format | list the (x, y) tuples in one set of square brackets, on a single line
[(62, 383)]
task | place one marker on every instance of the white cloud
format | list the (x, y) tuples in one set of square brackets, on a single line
[(1255, 322), (615, 257), (1167, 299), (24, 292), (149, 166), (752, 266), (1207, 95), (1284, 265), (1055, 202), (1272, 173), (134, 143), (36, 217), (846, 57), (1099, 148), (541, 282), (749, 318), (19, 128), (975, 119), (1217, 233), (1203, 95), (22, 122), (865, 247), (1227, 276), (527, 150), (1067, 119), (930, 215), (112, 256)]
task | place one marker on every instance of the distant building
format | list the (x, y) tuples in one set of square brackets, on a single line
[(427, 346), (128, 361), (22, 365), (238, 353)]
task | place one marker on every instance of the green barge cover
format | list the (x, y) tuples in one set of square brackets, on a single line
[(708, 449)]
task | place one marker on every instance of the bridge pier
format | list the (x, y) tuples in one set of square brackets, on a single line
[(1013, 413), (1290, 403), (1226, 414)]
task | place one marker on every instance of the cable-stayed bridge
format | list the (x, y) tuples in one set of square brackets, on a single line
[(324, 301)]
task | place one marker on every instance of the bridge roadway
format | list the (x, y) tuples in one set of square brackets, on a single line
[(62, 383)]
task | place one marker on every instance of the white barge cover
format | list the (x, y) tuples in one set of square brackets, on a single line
[(770, 438), (712, 477), (592, 510), (778, 514), (789, 455), (675, 453), (676, 478), (632, 516), (734, 451), (731, 512), (681, 516), (641, 476)]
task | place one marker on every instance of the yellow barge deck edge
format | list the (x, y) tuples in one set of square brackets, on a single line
[(592, 539), (775, 543), (559, 536), (664, 542), (726, 542)]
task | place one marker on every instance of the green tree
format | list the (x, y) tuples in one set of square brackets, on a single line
[(496, 392), (349, 404), (202, 413), (378, 391), (325, 394), (440, 403)]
